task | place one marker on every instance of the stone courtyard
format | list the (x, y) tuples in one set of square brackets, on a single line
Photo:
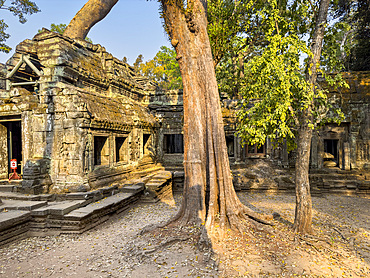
[(115, 248)]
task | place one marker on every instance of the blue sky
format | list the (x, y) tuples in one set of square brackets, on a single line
[(133, 27)]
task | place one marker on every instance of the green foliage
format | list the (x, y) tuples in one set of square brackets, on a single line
[(162, 69), (19, 8), (273, 81), (263, 69), (348, 40), (3, 37), (227, 20), (58, 28), (337, 46)]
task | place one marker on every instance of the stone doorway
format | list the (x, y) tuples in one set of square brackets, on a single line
[(10, 146), (331, 154)]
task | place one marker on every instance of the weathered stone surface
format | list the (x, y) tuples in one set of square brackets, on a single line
[(159, 188), (84, 95), (22, 205), (13, 225)]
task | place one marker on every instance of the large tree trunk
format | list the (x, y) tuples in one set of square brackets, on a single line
[(206, 160), (209, 196), (303, 211), (90, 14)]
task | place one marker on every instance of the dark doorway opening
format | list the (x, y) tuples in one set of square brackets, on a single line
[(121, 150), (101, 150), (331, 147), (12, 147), (230, 145), (173, 143)]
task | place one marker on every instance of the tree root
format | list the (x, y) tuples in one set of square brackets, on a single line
[(166, 244), (341, 235), (258, 217)]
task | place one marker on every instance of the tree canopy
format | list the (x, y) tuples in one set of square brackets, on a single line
[(264, 70), (162, 69), (19, 8)]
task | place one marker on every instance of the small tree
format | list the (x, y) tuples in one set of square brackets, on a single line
[(288, 101), (162, 69), (19, 8)]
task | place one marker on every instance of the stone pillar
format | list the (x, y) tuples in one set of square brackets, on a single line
[(238, 149), (354, 131), (346, 156), (320, 152), (3, 152)]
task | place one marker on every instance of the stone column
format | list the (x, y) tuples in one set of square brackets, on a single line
[(238, 149), (354, 131), (346, 156)]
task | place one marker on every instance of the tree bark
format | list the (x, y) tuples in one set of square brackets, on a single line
[(303, 208), (90, 14), (209, 195), (303, 211)]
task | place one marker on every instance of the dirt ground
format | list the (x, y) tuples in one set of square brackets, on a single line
[(340, 246)]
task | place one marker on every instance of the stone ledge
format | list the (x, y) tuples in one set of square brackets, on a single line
[(22, 205), (70, 215)]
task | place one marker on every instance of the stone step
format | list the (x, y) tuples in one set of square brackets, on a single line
[(350, 184), (7, 188), (97, 207), (172, 168), (364, 185), (59, 208), (334, 176), (28, 215), (134, 188), (22, 205), (159, 187), (26, 197), (96, 213), (12, 217), (14, 225)]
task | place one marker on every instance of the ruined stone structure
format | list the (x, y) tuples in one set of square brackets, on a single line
[(340, 155), (76, 119), (73, 116)]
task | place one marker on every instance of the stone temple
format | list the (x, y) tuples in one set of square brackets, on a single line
[(76, 119)]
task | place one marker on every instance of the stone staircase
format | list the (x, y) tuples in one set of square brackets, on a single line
[(23, 215), (340, 181)]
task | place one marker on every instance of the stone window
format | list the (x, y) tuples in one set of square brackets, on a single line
[(230, 145), (121, 149), (256, 150), (173, 143), (101, 150)]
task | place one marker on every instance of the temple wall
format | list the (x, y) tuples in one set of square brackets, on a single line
[(84, 122)]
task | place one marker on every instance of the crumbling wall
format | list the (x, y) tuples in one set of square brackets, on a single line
[(83, 95)]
